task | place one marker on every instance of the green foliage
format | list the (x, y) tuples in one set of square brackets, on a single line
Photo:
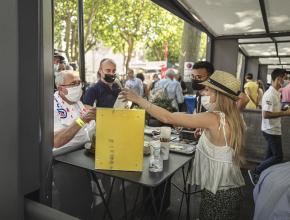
[(202, 48), (125, 24), (66, 26), (164, 103), (120, 25), (168, 29)]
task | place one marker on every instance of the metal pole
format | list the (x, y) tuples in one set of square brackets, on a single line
[(81, 40)]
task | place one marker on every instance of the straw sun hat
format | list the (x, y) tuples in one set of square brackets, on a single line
[(225, 83)]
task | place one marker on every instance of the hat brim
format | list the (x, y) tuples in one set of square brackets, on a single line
[(60, 56), (206, 83)]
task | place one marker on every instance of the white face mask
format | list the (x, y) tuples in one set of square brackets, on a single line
[(74, 93), (55, 67), (205, 102), (56, 74)]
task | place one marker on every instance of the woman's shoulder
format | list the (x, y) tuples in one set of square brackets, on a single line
[(212, 114), (211, 117)]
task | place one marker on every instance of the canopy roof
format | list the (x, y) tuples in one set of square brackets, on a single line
[(262, 27)]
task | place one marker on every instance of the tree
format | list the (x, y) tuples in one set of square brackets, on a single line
[(120, 25), (193, 47), (167, 30), (66, 26), (189, 46), (128, 22)]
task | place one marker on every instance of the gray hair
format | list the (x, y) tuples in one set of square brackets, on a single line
[(170, 72), (107, 60), (59, 78)]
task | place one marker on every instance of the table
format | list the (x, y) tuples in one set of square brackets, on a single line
[(81, 159)]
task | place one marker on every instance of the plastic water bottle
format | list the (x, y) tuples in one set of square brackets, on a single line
[(119, 103), (165, 133), (156, 161)]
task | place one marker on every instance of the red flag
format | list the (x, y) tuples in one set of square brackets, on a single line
[(165, 50), (163, 70)]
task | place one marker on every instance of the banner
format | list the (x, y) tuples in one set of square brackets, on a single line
[(187, 71)]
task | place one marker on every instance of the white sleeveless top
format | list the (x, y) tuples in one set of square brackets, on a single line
[(213, 166)]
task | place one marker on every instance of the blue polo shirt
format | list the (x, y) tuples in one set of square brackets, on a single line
[(102, 94)]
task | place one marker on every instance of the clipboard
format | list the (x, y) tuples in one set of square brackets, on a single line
[(119, 139)]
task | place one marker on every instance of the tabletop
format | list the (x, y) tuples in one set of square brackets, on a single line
[(83, 159)]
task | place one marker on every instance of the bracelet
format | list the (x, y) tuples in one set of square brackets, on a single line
[(80, 122)]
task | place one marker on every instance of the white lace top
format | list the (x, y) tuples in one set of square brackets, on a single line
[(213, 166)]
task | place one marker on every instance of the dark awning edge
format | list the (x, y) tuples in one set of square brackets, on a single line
[(176, 8)]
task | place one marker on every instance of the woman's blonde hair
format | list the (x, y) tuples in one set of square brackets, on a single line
[(235, 122)]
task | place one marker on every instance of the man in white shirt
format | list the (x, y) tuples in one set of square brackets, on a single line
[(72, 121), (134, 83), (72, 125), (271, 124)]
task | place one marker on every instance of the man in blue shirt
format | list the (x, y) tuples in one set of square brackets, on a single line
[(172, 86), (134, 83), (105, 92)]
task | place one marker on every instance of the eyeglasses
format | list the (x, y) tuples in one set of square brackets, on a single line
[(198, 77), (73, 84)]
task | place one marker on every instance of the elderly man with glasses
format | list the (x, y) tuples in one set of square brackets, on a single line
[(72, 121), (73, 126)]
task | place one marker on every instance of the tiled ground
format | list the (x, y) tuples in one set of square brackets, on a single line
[(247, 208)]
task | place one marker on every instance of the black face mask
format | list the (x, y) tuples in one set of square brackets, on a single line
[(110, 78), (196, 86)]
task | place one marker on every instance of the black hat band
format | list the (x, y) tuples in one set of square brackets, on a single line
[(226, 89)]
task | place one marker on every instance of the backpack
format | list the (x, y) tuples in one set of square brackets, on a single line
[(159, 92), (159, 96)]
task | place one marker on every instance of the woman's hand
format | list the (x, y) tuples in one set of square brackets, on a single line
[(129, 95)]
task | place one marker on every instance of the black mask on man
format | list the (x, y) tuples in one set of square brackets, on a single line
[(196, 86), (109, 78)]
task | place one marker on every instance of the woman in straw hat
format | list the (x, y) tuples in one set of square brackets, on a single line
[(218, 153)]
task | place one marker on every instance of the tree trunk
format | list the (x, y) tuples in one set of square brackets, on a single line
[(75, 44), (189, 49), (129, 53), (189, 46), (72, 42), (67, 36)]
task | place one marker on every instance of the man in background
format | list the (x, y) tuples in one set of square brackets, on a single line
[(271, 125), (105, 92), (252, 91), (201, 71), (57, 59), (172, 87), (134, 83), (285, 92)]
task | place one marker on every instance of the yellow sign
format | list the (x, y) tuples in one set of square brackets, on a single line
[(119, 139)]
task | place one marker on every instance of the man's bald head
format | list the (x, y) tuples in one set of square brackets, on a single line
[(107, 66)]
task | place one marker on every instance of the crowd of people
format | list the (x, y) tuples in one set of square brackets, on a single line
[(217, 121), (255, 89)]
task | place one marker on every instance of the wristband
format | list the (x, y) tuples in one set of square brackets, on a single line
[(80, 122)]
